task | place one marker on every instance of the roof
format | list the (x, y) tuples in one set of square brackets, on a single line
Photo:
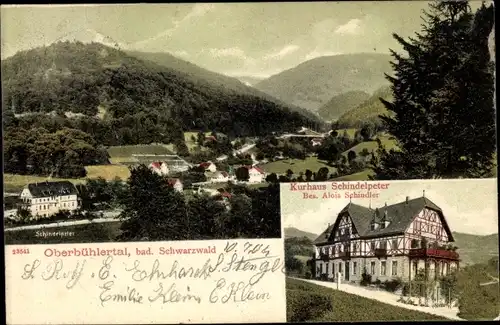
[(156, 164), (45, 189), (399, 215), (172, 181), (211, 137), (256, 168), (206, 164)]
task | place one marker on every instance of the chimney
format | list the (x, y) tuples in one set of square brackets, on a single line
[(423, 193), (407, 199)]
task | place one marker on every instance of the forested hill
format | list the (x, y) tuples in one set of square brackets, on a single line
[(313, 83), (198, 74), (86, 78)]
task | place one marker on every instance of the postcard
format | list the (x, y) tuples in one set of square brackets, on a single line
[(202, 162), (392, 250)]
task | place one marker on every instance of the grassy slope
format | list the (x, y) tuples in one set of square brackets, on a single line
[(128, 151), (368, 110), (341, 104), (296, 165), (352, 308), (294, 232)]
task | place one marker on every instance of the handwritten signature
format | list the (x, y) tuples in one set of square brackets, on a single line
[(252, 259)]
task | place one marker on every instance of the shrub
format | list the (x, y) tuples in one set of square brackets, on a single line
[(323, 277), (303, 305), (393, 285), (377, 282), (308, 275), (366, 279)]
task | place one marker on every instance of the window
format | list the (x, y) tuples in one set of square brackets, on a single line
[(382, 267), (394, 244), (354, 267), (394, 267), (372, 245), (333, 268), (372, 268), (327, 268), (341, 269)]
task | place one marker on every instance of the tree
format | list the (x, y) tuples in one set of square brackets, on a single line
[(351, 155), (242, 174), (289, 173), (322, 174), (309, 175), (272, 178), (442, 115), (241, 221), (206, 217), (153, 210)]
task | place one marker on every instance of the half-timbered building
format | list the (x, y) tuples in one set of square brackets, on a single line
[(393, 241)]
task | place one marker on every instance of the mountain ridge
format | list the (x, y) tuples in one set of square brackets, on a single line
[(313, 83)]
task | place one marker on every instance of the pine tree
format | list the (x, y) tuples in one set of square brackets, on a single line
[(443, 114)]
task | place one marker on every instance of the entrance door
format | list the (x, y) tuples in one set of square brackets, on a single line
[(347, 271)]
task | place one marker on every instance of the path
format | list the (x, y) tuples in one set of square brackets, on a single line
[(109, 216), (387, 298), (243, 149)]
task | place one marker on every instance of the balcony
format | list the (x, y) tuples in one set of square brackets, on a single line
[(324, 257), (345, 255), (380, 252), (436, 253)]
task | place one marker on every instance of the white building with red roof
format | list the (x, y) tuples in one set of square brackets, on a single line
[(256, 175), (159, 167), (176, 184), (209, 166)]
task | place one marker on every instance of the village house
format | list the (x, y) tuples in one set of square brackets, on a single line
[(209, 166), (176, 184), (316, 142), (390, 242), (159, 167), (218, 177), (256, 175), (48, 198)]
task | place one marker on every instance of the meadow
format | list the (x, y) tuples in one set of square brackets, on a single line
[(296, 165), (307, 302)]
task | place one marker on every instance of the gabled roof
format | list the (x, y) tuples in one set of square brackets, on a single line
[(256, 168), (156, 164), (173, 181), (46, 189), (399, 215)]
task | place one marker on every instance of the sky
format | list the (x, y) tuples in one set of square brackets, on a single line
[(237, 39), (469, 206)]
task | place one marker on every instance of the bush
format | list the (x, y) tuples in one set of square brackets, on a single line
[(366, 279), (303, 305), (393, 285), (308, 275), (377, 282), (323, 277)]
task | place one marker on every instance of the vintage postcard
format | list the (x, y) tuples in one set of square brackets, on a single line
[(145, 145), (392, 250)]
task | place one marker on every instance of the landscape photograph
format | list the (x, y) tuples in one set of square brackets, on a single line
[(418, 250), (182, 126)]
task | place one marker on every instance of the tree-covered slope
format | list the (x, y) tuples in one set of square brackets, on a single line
[(313, 83), (368, 111), (199, 75), (341, 104), (81, 78)]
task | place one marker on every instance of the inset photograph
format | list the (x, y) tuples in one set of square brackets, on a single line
[(395, 250)]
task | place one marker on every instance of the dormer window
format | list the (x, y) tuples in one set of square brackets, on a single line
[(374, 225)]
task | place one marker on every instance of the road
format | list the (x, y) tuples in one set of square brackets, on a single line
[(108, 216), (243, 149), (387, 298)]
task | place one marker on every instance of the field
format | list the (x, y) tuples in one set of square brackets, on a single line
[(108, 172), (148, 149), (88, 233), (310, 302), (360, 176), (350, 132), (296, 165), (387, 142), (189, 141), (15, 183)]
